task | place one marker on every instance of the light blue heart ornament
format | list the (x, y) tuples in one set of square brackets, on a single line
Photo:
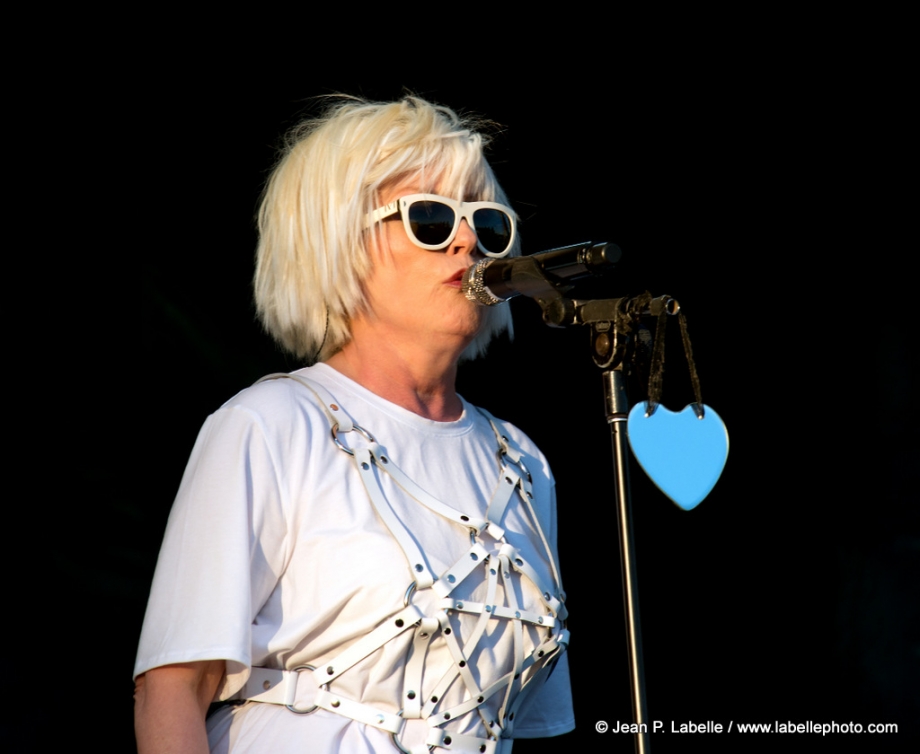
[(682, 454)]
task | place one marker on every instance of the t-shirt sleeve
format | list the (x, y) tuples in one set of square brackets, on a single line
[(222, 554), (548, 711)]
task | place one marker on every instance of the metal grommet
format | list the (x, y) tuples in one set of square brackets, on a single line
[(338, 444), (291, 707)]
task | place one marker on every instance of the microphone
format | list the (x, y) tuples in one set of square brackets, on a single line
[(494, 281)]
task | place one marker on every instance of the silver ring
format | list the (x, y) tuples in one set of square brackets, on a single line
[(409, 591), (399, 745), (335, 439), (291, 707), (524, 469)]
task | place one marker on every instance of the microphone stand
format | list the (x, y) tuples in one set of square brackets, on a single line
[(610, 321)]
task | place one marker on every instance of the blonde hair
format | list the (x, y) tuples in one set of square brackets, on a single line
[(313, 250)]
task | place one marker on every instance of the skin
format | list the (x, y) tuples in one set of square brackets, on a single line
[(404, 348), (170, 704)]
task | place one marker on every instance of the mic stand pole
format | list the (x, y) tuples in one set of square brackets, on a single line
[(609, 320), (616, 407)]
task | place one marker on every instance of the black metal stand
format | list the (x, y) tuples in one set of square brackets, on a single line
[(617, 410), (546, 278), (611, 322)]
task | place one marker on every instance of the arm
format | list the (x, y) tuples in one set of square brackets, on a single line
[(170, 704)]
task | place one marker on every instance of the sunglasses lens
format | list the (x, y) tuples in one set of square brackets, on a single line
[(431, 222), (493, 227)]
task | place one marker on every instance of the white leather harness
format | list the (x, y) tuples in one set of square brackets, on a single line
[(305, 689)]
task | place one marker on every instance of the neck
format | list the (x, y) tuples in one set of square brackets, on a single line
[(411, 375)]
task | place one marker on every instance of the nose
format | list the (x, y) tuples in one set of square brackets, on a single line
[(466, 241)]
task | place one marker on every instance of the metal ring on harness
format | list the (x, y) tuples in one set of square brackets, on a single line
[(409, 591), (315, 707), (524, 469), (399, 745), (335, 439)]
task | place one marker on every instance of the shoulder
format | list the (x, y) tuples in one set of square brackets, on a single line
[(277, 400)]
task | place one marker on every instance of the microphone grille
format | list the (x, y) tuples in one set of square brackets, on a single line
[(474, 287)]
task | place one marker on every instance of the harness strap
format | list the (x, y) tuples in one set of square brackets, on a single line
[(418, 564), (498, 611), (336, 415), (288, 687), (306, 689), (393, 626), (477, 524), (415, 669), (454, 575)]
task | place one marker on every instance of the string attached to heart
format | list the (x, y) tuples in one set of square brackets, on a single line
[(683, 453), (656, 370)]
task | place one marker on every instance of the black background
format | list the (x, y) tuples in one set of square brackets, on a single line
[(789, 595)]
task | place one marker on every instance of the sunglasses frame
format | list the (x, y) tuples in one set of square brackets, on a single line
[(462, 211)]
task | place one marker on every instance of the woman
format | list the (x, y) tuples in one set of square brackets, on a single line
[(357, 559)]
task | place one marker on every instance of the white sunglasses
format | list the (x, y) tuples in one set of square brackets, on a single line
[(432, 221)]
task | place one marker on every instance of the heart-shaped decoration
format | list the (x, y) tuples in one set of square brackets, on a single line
[(682, 454)]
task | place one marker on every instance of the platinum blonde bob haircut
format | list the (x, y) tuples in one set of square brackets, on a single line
[(313, 253)]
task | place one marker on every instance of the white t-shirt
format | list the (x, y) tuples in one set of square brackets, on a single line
[(275, 556)]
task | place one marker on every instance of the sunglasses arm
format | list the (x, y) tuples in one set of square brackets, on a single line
[(381, 213)]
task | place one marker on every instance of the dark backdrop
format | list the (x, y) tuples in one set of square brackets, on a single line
[(790, 593)]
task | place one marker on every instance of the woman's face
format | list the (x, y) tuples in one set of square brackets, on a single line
[(413, 293)]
